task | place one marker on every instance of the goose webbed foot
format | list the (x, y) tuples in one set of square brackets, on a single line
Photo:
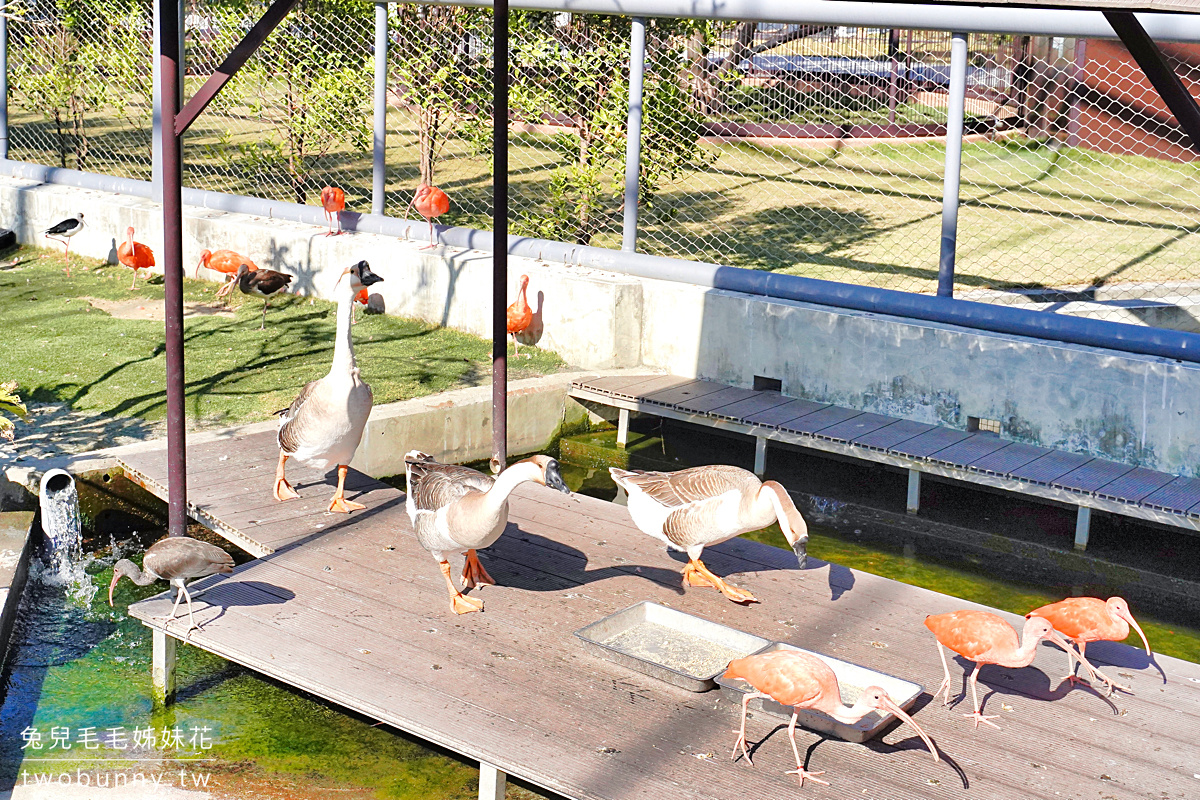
[(473, 573), (696, 574)]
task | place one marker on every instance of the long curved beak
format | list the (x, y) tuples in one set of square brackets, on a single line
[(1129, 618), (198, 265), (345, 272), (1065, 644), (112, 586), (891, 706)]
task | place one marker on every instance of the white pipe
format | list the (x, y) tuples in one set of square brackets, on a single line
[(973, 19)]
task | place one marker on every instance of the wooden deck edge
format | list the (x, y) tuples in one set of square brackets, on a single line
[(256, 549)]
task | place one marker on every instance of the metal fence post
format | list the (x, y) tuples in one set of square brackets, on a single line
[(499, 235), (156, 160), (3, 87), (633, 140), (379, 168), (955, 109)]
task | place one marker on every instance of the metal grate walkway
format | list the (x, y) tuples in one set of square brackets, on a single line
[(981, 458)]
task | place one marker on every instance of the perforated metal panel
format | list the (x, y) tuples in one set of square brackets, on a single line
[(826, 417), (1092, 475), (929, 443), (791, 410), (856, 426), (1006, 459), (1054, 464), (899, 431), (972, 448)]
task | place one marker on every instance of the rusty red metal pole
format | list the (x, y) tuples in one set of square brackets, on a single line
[(500, 236), (172, 204)]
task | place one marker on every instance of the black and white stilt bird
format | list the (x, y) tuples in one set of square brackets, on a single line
[(177, 560), (63, 231), (266, 283)]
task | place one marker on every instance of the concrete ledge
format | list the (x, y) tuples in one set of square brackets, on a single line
[(16, 549), (451, 426)]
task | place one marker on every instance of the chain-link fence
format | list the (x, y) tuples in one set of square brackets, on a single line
[(808, 149)]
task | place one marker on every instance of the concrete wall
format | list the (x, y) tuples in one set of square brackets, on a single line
[(1139, 410)]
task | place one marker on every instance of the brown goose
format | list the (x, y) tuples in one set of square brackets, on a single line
[(458, 510), (266, 283), (176, 559), (696, 507), (324, 424)]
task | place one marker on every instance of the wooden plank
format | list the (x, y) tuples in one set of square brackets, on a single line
[(1053, 729), (684, 392)]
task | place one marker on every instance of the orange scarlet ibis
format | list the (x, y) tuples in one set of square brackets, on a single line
[(430, 202), (985, 638), (362, 298), (177, 560), (333, 200), (1090, 619), (225, 261), (266, 283), (520, 315), (134, 255), (802, 680), (63, 231)]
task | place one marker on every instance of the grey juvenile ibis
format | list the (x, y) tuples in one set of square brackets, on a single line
[(266, 283), (66, 229), (176, 559)]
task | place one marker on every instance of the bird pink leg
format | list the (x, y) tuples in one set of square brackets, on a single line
[(696, 574), (975, 699), (800, 770), (1095, 673), (283, 489), (133, 285), (741, 740), (945, 687), (473, 572), (263, 325), (339, 502), (432, 242), (459, 601)]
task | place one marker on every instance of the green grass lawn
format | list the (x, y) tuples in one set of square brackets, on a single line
[(61, 349)]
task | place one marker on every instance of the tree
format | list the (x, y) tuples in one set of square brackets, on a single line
[(310, 83), (577, 73), (438, 70)]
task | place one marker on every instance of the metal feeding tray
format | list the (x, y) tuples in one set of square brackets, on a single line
[(670, 645), (852, 679)]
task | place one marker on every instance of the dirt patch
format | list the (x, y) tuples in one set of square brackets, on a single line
[(155, 310)]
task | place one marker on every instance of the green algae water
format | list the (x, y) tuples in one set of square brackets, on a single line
[(585, 460), (76, 707)]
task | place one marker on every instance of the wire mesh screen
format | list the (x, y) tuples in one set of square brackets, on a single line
[(815, 150), (80, 89)]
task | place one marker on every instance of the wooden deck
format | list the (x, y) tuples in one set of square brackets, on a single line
[(352, 610)]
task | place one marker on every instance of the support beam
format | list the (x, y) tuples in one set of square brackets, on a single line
[(760, 456), (1083, 527), (622, 427), (169, 62), (379, 167), (162, 668), (499, 235), (914, 491), (1165, 81), (956, 106), (633, 138), (229, 67), (492, 782)]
